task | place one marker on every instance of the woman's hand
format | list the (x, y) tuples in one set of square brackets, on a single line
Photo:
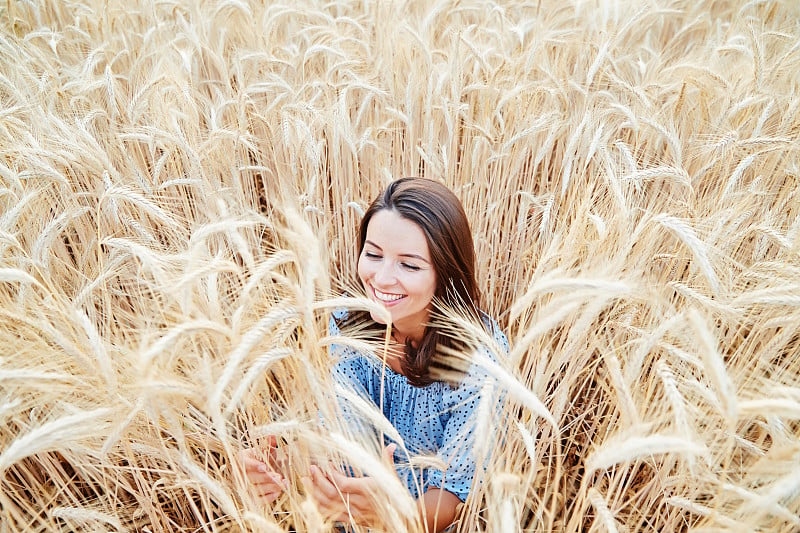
[(347, 498), (264, 475)]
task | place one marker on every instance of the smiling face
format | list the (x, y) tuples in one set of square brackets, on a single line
[(396, 270)]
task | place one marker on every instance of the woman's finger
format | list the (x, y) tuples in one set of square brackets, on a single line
[(253, 462), (327, 507), (357, 494), (347, 484), (267, 488), (265, 451), (254, 465), (388, 453), (321, 482), (270, 478), (269, 496)]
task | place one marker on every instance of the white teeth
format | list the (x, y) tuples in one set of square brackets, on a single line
[(387, 297)]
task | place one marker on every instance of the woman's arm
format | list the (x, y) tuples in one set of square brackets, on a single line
[(345, 498), (438, 508)]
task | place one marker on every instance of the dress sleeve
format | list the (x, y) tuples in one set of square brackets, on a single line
[(350, 373), (348, 365), (458, 441)]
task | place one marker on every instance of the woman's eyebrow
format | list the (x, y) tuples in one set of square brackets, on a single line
[(415, 256)]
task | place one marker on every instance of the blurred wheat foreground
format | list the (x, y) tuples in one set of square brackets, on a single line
[(180, 184)]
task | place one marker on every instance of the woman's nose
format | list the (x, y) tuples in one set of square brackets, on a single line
[(384, 275)]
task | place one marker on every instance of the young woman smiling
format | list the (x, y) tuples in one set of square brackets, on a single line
[(415, 248)]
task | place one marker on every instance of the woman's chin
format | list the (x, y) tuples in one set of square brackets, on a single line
[(377, 318)]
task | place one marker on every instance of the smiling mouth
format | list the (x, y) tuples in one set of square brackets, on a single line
[(386, 297)]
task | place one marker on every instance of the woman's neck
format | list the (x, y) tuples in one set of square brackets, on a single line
[(393, 357), (403, 336), (398, 347)]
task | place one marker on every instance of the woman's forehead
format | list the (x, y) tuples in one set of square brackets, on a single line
[(392, 232)]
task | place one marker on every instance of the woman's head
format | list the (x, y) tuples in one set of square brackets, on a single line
[(415, 244), (396, 269)]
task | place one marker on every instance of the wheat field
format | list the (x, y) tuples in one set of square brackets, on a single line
[(180, 185)]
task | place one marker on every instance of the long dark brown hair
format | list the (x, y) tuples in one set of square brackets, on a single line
[(440, 215)]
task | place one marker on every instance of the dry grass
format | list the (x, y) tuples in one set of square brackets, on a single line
[(179, 189)]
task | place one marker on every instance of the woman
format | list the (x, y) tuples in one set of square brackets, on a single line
[(415, 248)]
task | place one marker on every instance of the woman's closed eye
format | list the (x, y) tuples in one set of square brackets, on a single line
[(372, 256)]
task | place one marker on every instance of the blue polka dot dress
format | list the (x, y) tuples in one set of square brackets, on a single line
[(438, 419)]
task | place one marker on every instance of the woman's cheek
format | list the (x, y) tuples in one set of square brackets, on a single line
[(361, 270)]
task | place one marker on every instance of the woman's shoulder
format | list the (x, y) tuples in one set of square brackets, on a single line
[(496, 331), (477, 367), (338, 319), (348, 350), (340, 314)]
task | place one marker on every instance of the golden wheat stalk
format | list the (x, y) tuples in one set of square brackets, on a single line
[(180, 187)]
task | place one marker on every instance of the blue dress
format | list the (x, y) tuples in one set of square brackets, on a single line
[(438, 419)]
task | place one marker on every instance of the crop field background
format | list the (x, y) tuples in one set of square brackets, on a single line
[(180, 185)]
